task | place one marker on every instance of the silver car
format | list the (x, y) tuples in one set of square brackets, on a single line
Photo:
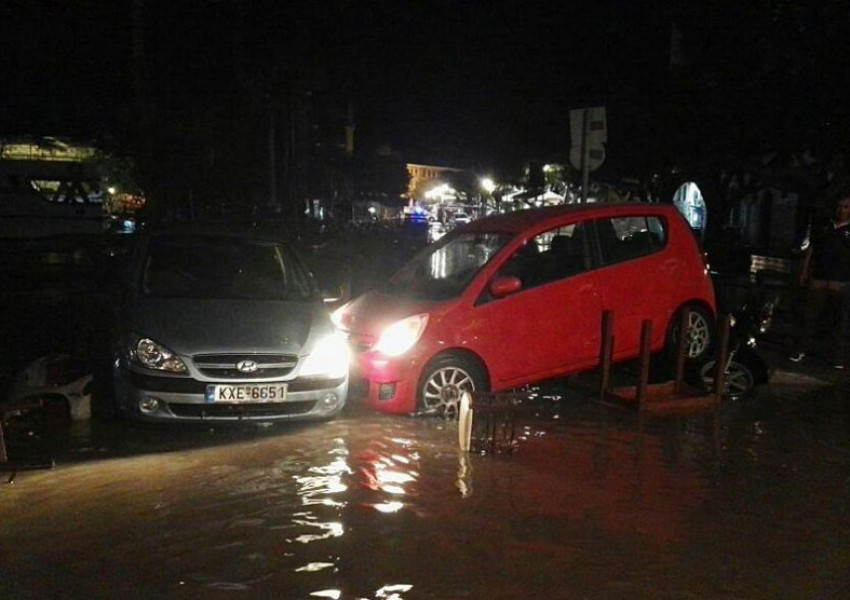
[(225, 327)]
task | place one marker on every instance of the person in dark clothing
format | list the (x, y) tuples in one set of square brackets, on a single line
[(826, 273)]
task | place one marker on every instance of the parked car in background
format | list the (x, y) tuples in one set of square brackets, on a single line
[(225, 326), (461, 218), (517, 298)]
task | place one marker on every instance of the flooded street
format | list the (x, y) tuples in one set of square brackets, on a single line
[(591, 504)]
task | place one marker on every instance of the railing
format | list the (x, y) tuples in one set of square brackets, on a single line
[(773, 269)]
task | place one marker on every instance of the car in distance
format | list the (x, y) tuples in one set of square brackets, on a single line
[(223, 327), (518, 298), (461, 218)]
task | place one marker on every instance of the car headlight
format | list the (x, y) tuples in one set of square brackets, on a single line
[(155, 356), (330, 357), (400, 337)]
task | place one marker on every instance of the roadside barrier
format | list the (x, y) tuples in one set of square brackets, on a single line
[(487, 421), (668, 397)]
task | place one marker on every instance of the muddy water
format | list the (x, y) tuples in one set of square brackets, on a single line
[(591, 504)]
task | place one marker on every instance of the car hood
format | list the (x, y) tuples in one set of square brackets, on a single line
[(219, 326), (373, 311)]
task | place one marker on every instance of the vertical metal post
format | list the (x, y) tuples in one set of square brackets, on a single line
[(606, 350), (681, 349), (510, 400), (720, 376), (645, 338), (722, 358)]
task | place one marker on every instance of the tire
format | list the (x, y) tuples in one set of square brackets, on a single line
[(700, 336), (444, 379), (740, 380)]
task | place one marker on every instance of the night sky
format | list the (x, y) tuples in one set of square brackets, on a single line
[(472, 83)]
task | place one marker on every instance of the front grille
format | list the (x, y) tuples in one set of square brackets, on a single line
[(236, 411), (386, 391), (223, 366)]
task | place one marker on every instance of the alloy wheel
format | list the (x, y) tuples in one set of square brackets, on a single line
[(443, 388), (739, 379), (698, 335)]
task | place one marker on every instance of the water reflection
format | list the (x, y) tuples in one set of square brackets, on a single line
[(372, 507), (389, 469), (391, 592), (464, 474), (617, 475)]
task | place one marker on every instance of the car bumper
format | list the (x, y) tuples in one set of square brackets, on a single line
[(183, 399), (388, 384)]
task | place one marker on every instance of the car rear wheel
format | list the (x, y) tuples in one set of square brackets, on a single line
[(699, 338), (445, 379), (739, 380)]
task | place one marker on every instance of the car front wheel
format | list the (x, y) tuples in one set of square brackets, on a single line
[(699, 337), (445, 379)]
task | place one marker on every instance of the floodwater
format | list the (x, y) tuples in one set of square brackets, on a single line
[(591, 503)]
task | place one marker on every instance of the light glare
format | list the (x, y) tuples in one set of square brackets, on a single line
[(400, 337)]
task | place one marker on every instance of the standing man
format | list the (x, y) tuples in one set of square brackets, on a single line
[(826, 273)]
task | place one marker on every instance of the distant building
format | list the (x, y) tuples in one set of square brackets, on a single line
[(422, 177)]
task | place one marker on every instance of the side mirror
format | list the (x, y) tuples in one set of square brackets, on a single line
[(504, 285)]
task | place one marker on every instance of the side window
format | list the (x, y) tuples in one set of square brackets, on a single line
[(522, 262), (625, 238), (552, 255)]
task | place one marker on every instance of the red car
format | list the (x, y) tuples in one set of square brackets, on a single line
[(518, 298)]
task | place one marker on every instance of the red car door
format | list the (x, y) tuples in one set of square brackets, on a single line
[(553, 324), (637, 280)]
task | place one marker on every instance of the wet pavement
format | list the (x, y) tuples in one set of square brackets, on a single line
[(591, 503)]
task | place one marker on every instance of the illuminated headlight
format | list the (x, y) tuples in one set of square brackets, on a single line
[(330, 357), (149, 354), (400, 337)]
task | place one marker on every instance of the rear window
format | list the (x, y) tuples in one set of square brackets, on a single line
[(625, 238), (223, 268)]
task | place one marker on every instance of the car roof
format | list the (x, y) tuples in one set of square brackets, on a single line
[(523, 219)]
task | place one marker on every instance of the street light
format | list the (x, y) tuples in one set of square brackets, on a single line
[(488, 185)]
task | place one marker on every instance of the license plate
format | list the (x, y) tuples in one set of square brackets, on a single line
[(240, 394)]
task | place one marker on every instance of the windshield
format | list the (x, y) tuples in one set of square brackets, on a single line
[(223, 268), (443, 270)]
